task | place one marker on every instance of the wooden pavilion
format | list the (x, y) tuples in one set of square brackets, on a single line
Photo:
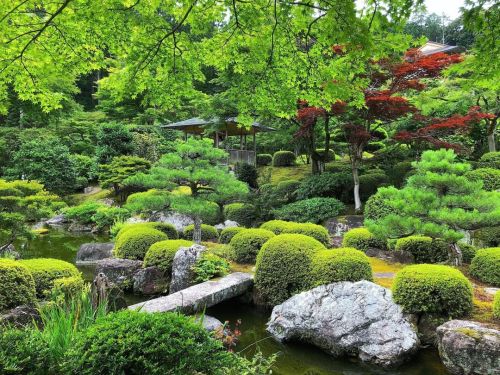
[(220, 130)]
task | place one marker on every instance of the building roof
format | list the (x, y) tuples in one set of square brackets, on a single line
[(197, 125), (431, 48)]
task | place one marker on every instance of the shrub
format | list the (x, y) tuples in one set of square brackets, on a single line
[(228, 233), (209, 266), (329, 157), (242, 213), (374, 146), (369, 183), (377, 207), (247, 173), (130, 342), (496, 305), (276, 226), (489, 176), (315, 231), (485, 265), (424, 249), (344, 264), (361, 239), (166, 228), (314, 210), (148, 201), (339, 167), (46, 271), (325, 185), (105, 217), (264, 159), (17, 286), (286, 191), (283, 159), (433, 289), (490, 160), (468, 252), (211, 215), (23, 351), (67, 288), (488, 237), (135, 242), (208, 232), (161, 254), (224, 251), (398, 172), (284, 266), (248, 242), (84, 212)]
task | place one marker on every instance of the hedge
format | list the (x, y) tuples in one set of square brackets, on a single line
[(283, 159), (17, 286), (496, 305), (362, 239), (227, 233), (135, 242), (343, 264), (313, 210), (485, 265), (208, 232), (315, 231), (264, 159), (276, 226), (490, 160), (166, 228), (424, 249), (161, 254), (46, 271), (468, 252), (247, 243), (242, 213), (433, 289), (325, 185), (489, 176), (284, 267), (130, 342)]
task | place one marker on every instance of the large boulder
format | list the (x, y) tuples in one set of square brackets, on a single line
[(92, 252), (226, 224), (469, 347), (119, 271), (57, 220), (179, 221), (347, 318), (150, 280), (182, 267), (21, 316), (9, 251), (210, 323)]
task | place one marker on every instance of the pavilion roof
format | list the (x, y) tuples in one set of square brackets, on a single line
[(198, 125)]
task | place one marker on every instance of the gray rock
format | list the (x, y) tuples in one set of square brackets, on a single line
[(77, 227), (57, 220), (210, 323), (10, 252), (90, 253), (404, 257), (198, 297), (179, 221), (21, 316), (119, 271), (469, 347), (226, 224), (150, 280), (347, 318), (491, 290), (341, 224), (182, 267)]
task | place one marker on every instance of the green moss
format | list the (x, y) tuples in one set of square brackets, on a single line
[(470, 332), (362, 239), (280, 174), (135, 242), (161, 254), (485, 265), (247, 243), (17, 286)]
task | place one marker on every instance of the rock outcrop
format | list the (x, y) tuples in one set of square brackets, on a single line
[(179, 221), (21, 316), (469, 347), (182, 267), (150, 281), (90, 253), (347, 318), (119, 271), (9, 252)]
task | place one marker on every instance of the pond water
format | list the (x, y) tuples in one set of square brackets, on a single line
[(293, 359)]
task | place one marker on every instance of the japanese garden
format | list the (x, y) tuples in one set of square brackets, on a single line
[(249, 187)]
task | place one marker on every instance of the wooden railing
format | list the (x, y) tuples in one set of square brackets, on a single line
[(241, 156)]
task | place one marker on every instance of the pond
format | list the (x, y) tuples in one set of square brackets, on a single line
[(293, 359)]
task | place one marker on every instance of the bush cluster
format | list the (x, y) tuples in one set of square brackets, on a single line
[(161, 254), (67, 288), (325, 185), (485, 265), (315, 231), (343, 264), (23, 351), (247, 173), (46, 271), (424, 249), (362, 239), (17, 286), (264, 159), (247, 243), (490, 160), (468, 252), (286, 191), (329, 157), (242, 213), (314, 210), (283, 159), (369, 183), (377, 208), (275, 226), (227, 233), (106, 217), (208, 232), (488, 237), (489, 176), (208, 266), (166, 228), (148, 201), (135, 242), (433, 289), (84, 212)]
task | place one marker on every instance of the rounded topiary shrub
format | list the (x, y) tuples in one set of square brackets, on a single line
[(313, 210), (276, 226), (17, 286), (286, 191), (283, 159), (490, 160), (264, 159), (227, 233), (496, 305), (433, 289), (161, 254), (485, 265), (166, 228), (343, 264), (284, 266), (135, 242), (424, 249), (489, 176), (130, 342), (362, 239), (208, 232), (315, 231), (468, 252), (46, 271), (247, 243), (67, 288), (242, 213), (377, 207)]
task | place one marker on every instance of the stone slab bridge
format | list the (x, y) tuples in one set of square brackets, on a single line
[(200, 296)]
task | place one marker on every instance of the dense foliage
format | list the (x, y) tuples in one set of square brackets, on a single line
[(486, 265), (135, 242), (18, 286), (161, 254), (313, 210), (362, 239), (247, 243)]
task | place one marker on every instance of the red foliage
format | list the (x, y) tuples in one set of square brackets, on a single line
[(338, 107), (382, 105), (338, 49), (307, 117), (356, 135)]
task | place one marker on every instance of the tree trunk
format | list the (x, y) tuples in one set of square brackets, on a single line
[(455, 255), (197, 230), (355, 177), (491, 142)]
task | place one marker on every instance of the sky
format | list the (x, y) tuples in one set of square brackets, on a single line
[(451, 8)]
